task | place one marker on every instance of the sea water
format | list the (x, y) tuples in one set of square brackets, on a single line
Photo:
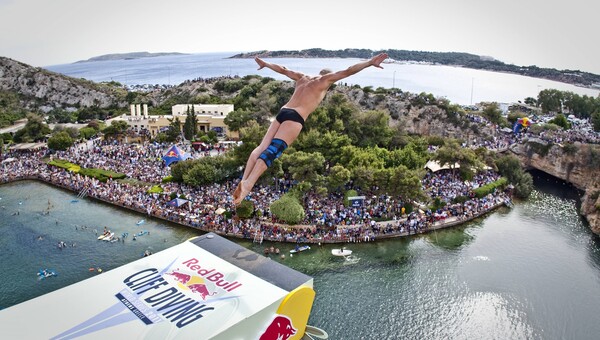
[(530, 272), (459, 85)]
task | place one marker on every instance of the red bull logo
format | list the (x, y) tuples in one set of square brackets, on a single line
[(180, 277), (171, 153), (211, 275), (198, 283), (194, 283), (281, 328), (201, 289)]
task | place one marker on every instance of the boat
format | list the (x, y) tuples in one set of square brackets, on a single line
[(101, 237), (108, 237), (341, 252), (142, 233), (299, 249), (140, 222), (44, 273)]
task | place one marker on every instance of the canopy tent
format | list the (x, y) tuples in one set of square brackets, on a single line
[(174, 155), (177, 202), (219, 211), (28, 146), (435, 166)]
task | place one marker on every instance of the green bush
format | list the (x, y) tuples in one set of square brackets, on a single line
[(245, 209), (490, 187), (288, 209), (570, 148), (100, 174), (437, 204), (156, 189), (460, 199), (408, 208), (65, 165), (349, 193)]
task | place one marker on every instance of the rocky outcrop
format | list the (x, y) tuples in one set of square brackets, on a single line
[(38, 88), (578, 164)]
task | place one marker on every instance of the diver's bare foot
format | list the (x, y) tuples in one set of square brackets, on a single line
[(243, 192), (237, 192)]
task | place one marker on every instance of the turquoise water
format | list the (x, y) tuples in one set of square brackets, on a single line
[(530, 272), (23, 254)]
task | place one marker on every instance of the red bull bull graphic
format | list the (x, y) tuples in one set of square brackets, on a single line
[(281, 328), (201, 289), (174, 155)]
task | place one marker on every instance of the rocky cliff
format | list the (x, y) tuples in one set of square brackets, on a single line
[(578, 164), (39, 88)]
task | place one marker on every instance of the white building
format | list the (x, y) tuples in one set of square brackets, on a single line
[(209, 117), (213, 110)]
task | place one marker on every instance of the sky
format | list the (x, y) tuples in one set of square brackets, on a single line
[(559, 34)]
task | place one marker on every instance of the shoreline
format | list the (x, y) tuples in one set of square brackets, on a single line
[(437, 225)]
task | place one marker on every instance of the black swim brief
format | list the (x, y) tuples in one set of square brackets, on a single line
[(289, 114)]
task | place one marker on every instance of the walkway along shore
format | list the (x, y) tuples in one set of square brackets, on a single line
[(368, 237)]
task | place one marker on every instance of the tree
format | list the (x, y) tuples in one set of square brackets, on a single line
[(405, 183), (338, 177), (550, 100), (561, 121), (327, 143), (179, 169), (201, 174), (237, 119), (510, 167), (251, 137), (596, 121), (492, 113), (190, 126), (263, 104), (34, 130), (453, 153), (174, 130), (531, 101), (60, 141), (117, 127), (87, 132), (304, 166), (288, 209), (245, 209), (370, 128), (61, 116)]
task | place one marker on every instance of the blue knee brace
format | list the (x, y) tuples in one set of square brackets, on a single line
[(273, 151)]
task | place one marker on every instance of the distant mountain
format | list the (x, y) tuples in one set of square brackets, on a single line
[(467, 60), (131, 55)]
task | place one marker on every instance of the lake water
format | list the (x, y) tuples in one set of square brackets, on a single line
[(459, 85), (530, 272)]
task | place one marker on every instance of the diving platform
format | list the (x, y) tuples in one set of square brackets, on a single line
[(205, 288)]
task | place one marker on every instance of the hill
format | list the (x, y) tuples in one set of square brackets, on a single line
[(24, 88), (467, 60), (126, 56)]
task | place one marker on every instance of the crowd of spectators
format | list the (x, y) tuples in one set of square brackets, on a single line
[(326, 219)]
